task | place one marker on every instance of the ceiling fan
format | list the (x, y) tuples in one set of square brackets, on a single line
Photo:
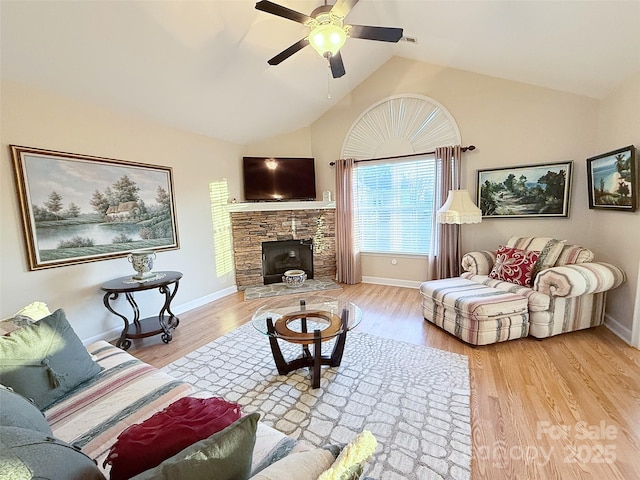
[(328, 32)]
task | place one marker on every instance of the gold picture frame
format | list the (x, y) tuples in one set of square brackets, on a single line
[(79, 208)]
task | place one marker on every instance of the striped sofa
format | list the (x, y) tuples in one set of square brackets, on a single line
[(126, 392), (63, 406), (568, 294)]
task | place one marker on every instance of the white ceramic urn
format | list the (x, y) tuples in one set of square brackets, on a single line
[(142, 262)]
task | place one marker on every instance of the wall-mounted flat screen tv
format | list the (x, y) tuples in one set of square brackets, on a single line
[(278, 179)]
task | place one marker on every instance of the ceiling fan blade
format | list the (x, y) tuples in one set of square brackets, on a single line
[(382, 34), (342, 7), (280, 11), (337, 67), (299, 45)]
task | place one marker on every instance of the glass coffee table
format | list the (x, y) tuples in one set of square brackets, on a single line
[(307, 320)]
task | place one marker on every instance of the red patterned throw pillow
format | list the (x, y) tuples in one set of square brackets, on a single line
[(514, 265), (183, 423)]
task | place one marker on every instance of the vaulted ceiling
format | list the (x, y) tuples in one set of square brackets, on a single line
[(202, 65)]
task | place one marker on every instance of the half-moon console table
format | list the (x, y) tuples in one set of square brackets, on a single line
[(163, 323)]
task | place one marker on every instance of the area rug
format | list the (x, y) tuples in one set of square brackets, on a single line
[(415, 400), (279, 289)]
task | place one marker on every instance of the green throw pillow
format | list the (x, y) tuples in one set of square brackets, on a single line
[(27, 454), (17, 411), (225, 455), (45, 360)]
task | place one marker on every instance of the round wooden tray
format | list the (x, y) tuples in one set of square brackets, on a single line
[(282, 326)]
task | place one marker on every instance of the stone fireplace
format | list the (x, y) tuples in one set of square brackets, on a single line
[(251, 227)]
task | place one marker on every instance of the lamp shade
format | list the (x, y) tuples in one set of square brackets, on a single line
[(327, 39), (459, 208)]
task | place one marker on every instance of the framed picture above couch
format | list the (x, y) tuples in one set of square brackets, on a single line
[(540, 190), (78, 208), (612, 180)]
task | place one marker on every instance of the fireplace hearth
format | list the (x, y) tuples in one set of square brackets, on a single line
[(280, 256)]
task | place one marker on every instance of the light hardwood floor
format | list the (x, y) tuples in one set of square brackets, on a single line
[(566, 407)]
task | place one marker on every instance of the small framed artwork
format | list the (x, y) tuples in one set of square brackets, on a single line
[(612, 180), (528, 191), (78, 208)]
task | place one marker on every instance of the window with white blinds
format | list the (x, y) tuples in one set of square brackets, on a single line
[(395, 205), (222, 238)]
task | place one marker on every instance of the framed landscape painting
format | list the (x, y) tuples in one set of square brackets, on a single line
[(78, 208), (612, 180), (541, 190)]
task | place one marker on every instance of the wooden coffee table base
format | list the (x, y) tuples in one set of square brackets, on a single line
[(307, 359)]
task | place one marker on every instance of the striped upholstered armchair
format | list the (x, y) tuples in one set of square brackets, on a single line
[(535, 286)]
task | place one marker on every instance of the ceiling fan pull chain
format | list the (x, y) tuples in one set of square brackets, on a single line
[(329, 83)]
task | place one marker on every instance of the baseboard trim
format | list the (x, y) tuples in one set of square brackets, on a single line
[(114, 333), (392, 282), (108, 336), (617, 328), (199, 302)]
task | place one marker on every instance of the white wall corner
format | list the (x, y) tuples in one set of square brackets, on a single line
[(635, 331), (616, 327)]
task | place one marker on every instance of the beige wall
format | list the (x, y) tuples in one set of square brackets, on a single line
[(511, 123), (616, 234), (294, 144), (35, 118)]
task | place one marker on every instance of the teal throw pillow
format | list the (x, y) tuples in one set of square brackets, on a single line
[(27, 454), (225, 455), (45, 360), (17, 411)]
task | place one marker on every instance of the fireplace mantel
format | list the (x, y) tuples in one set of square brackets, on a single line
[(274, 206)]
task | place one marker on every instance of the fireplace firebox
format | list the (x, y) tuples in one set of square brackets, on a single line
[(280, 256)]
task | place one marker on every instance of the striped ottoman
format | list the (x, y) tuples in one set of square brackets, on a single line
[(475, 313)]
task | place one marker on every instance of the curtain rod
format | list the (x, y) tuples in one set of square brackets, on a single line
[(464, 149)]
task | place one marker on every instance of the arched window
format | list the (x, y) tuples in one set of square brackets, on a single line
[(396, 196), (400, 125)]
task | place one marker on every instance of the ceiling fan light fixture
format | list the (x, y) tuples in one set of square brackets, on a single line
[(327, 38), (327, 31)]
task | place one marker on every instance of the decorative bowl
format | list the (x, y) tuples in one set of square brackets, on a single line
[(294, 278)]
